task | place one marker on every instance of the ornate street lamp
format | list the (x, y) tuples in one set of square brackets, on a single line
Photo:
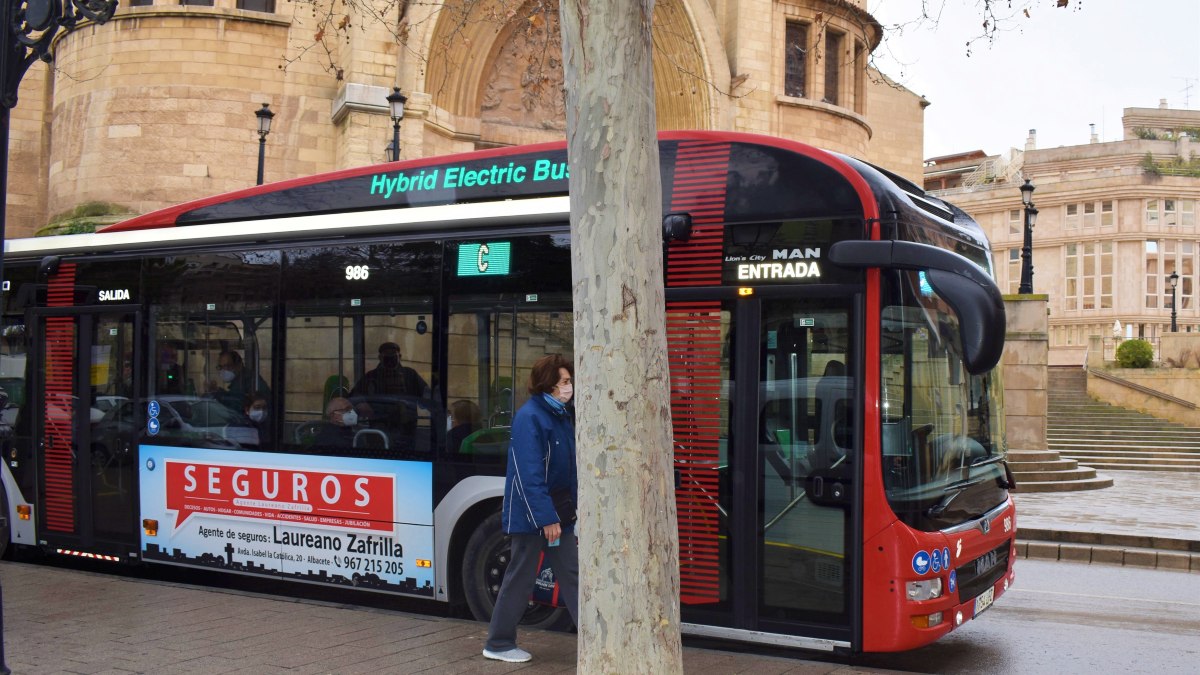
[(264, 116), (1174, 281), (29, 31), (396, 105), (1027, 246)]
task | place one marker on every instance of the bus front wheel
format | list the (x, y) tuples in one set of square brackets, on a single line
[(484, 563)]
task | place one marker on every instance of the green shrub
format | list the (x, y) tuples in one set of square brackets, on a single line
[(1135, 354)]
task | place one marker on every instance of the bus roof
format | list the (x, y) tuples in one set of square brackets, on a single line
[(760, 178), (517, 172)]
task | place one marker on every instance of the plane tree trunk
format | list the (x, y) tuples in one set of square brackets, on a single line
[(628, 543)]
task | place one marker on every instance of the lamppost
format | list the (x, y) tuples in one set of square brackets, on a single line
[(1027, 246), (27, 35), (396, 104), (264, 116), (1174, 281)]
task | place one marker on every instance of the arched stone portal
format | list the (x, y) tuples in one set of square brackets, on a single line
[(494, 76)]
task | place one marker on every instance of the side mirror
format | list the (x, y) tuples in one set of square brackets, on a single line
[(967, 289)]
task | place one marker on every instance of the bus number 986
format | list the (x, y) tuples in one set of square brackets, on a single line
[(354, 272)]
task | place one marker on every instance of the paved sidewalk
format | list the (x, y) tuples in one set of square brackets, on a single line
[(66, 621), (1143, 512)]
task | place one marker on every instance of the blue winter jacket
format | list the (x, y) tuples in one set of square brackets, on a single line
[(541, 458)]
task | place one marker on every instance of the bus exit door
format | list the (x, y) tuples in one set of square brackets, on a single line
[(83, 379), (765, 446)]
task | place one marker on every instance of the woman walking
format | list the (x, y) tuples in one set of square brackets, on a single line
[(539, 504)]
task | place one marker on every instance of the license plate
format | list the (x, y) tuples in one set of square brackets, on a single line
[(984, 600)]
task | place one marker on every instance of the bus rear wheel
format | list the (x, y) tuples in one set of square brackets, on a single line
[(484, 563)]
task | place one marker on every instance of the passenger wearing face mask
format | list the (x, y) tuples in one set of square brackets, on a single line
[(538, 512), (235, 382), (341, 424), (257, 412)]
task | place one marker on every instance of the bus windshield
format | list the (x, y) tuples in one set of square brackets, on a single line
[(942, 437)]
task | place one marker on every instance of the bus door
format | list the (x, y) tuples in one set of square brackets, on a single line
[(806, 440), (765, 433), (86, 440)]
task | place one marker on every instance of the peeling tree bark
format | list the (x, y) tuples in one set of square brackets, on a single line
[(628, 544)]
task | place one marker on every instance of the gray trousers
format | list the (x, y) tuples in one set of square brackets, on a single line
[(513, 598)]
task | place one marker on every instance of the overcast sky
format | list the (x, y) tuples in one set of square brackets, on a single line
[(1057, 71)]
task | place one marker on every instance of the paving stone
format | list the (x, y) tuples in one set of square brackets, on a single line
[(1075, 552), (1141, 558), (1022, 549), (1043, 550), (1108, 555), (1170, 560)]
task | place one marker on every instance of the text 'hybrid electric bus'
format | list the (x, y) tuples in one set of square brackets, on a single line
[(313, 380)]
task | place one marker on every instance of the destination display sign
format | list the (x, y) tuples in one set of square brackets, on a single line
[(791, 252), (448, 182)]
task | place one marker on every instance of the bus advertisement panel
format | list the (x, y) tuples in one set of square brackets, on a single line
[(334, 520)]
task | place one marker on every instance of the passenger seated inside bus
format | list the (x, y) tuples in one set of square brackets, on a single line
[(464, 419), (389, 395), (236, 381), (341, 422), (256, 410)]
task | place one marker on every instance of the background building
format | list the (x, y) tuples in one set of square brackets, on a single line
[(157, 106), (1114, 221)]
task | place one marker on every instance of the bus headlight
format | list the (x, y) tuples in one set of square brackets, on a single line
[(926, 589)]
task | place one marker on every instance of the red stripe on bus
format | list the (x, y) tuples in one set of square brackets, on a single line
[(693, 337), (58, 429)]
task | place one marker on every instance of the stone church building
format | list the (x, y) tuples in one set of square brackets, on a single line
[(157, 106)]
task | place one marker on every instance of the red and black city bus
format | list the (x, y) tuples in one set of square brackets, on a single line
[(833, 336)]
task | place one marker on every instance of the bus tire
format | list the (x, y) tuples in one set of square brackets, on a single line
[(484, 562)]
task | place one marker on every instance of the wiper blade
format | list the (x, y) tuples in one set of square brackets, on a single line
[(989, 460), (960, 485), (951, 491)]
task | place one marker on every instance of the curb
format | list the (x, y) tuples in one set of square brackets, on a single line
[(1176, 555)]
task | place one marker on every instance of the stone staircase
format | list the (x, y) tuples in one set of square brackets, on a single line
[(1046, 471), (1103, 436)]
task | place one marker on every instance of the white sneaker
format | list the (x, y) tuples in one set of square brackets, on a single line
[(514, 655)]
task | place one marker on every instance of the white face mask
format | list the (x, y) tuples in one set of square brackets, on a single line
[(349, 419), (227, 376), (449, 423), (564, 394), (257, 415)]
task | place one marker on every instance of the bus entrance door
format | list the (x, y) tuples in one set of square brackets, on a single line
[(86, 430), (763, 415), (805, 453)]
